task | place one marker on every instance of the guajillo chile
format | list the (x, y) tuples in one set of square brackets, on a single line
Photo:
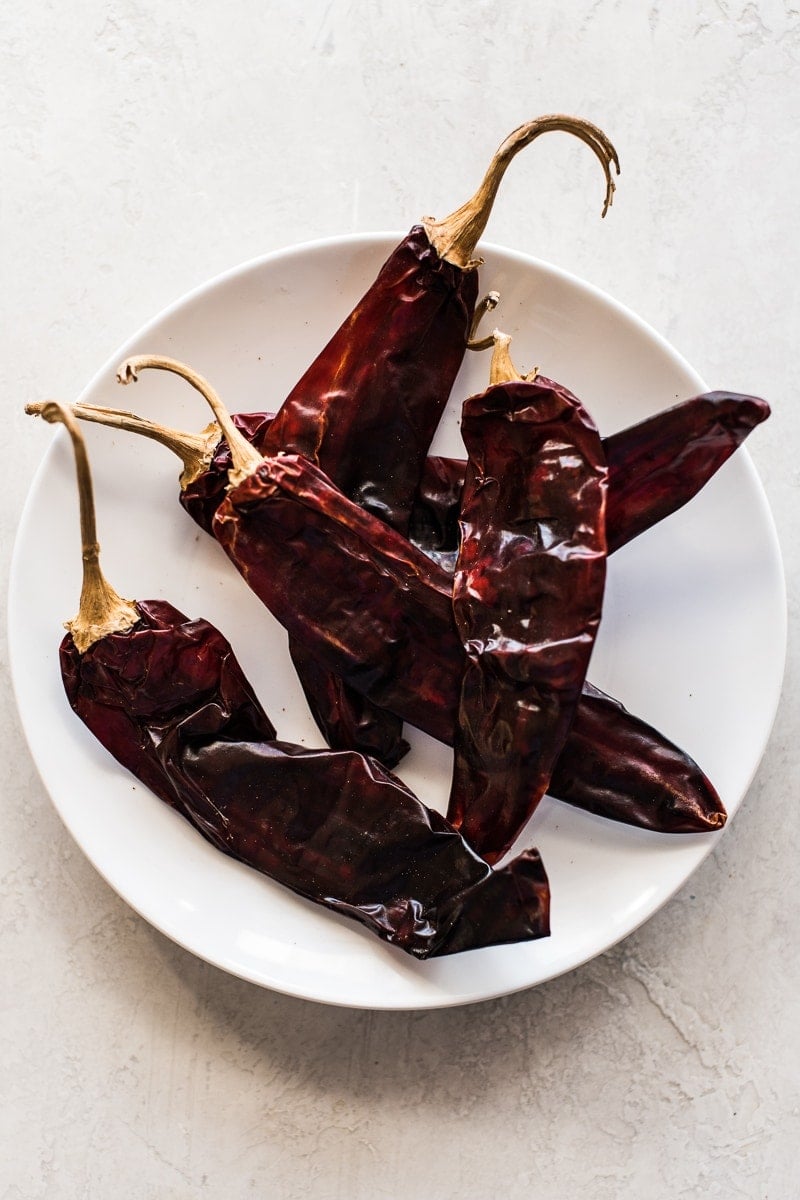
[(527, 594), (166, 696), (378, 613), (654, 467), (367, 408)]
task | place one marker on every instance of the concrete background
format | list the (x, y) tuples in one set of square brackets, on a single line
[(145, 148)]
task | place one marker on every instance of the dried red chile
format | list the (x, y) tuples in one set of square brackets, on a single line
[(365, 412), (655, 467), (591, 776), (367, 408), (527, 598), (379, 614), (169, 701), (629, 772), (658, 465)]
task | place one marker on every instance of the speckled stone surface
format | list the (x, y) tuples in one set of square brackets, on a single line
[(145, 148)]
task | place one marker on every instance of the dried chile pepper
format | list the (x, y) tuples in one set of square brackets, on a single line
[(527, 594), (607, 766), (627, 771), (167, 698), (380, 615), (367, 408), (659, 464), (654, 467)]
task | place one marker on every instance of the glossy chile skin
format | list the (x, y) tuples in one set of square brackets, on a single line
[(655, 467), (365, 412), (662, 462), (367, 408), (169, 701), (347, 719), (527, 599), (378, 612)]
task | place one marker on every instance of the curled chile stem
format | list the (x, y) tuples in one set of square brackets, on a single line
[(101, 610), (489, 302), (502, 369), (195, 450), (244, 458), (456, 237)]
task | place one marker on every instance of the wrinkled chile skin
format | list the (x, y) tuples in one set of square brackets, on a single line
[(527, 599), (346, 719), (367, 408), (170, 702), (380, 614), (365, 412), (349, 587), (654, 468), (605, 767)]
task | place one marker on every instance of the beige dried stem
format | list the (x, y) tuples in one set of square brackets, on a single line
[(244, 458), (101, 611), (502, 369), (456, 237), (195, 450), (489, 302)]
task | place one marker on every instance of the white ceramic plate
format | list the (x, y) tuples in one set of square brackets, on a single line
[(693, 637)]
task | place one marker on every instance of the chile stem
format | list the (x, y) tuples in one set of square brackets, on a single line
[(502, 369), (244, 458), (456, 237), (484, 306), (101, 611), (195, 450)]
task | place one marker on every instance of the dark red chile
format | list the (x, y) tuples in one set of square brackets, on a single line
[(380, 616), (527, 599), (368, 406), (698, 432), (168, 699), (658, 465), (654, 468), (365, 412)]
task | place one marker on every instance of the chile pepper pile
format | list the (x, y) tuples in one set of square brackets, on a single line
[(460, 597)]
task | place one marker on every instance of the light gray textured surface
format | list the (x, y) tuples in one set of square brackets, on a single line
[(144, 149)]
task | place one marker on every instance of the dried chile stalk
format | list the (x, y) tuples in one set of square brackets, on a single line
[(379, 614), (166, 696), (527, 594)]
